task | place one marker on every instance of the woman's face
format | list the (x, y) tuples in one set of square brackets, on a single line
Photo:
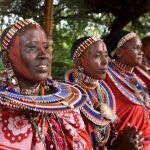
[(31, 57), (146, 51), (94, 60), (130, 53)]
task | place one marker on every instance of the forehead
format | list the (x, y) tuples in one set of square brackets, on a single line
[(135, 41), (98, 46), (138, 41), (32, 34)]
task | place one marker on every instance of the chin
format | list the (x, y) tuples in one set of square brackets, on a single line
[(137, 63), (41, 77), (102, 77)]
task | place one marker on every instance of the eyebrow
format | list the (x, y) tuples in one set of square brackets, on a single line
[(36, 42), (101, 51)]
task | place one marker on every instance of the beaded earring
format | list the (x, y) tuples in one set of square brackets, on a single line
[(80, 68)]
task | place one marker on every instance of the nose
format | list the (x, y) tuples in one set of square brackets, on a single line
[(104, 60), (140, 52), (43, 53)]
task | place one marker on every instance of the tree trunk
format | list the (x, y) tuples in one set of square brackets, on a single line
[(49, 25)]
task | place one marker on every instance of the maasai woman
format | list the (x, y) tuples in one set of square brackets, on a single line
[(36, 113), (143, 70), (131, 94), (90, 67)]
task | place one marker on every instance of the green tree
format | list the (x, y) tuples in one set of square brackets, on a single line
[(77, 18)]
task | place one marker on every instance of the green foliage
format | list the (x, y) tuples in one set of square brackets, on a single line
[(0, 63), (71, 21), (59, 68), (72, 26), (140, 26)]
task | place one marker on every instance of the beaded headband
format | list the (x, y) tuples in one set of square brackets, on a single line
[(126, 38), (19, 25), (123, 40), (84, 45)]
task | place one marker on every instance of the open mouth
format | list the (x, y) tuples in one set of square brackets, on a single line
[(42, 68)]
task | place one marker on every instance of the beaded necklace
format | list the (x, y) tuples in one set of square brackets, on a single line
[(137, 93), (62, 99), (52, 135), (102, 100), (66, 97), (98, 106), (88, 110)]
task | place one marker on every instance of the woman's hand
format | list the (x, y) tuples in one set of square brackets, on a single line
[(128, 139)]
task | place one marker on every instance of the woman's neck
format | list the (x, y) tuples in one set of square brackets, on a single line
[(27, 84), (28, 87), (123, 67), (84, 80)]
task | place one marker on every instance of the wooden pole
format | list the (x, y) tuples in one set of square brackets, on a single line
[(49, 25)]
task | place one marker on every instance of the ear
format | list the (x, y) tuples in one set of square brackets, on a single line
[(5, 57), (119, 52), (78, 62)]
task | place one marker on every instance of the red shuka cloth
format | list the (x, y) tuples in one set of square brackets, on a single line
[(129, 112)]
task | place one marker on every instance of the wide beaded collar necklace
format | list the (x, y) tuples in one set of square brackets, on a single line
[(66, 96)]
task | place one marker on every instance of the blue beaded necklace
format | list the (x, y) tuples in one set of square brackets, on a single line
[(138, 93), (65, 97)]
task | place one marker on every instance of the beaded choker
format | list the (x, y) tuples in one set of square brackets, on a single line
[(123, 67), (84, 80), (73, 75), (29, 91)]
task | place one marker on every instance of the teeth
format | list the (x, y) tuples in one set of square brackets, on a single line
[(43, 66)]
